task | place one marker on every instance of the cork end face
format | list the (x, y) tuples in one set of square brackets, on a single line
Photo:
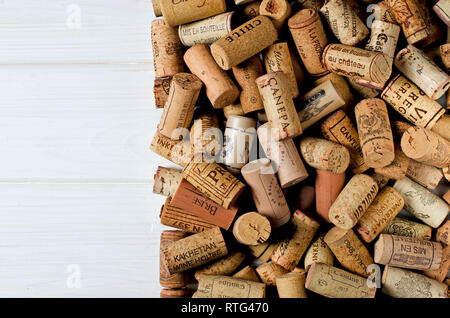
[(380, 250), (303, 18), (293, 182), (334, 235), (228, 97), (220, 56), (341, 220), (414, 142), (379, 158), (259, 166), (365, 234), (310, 274), (187, 81)]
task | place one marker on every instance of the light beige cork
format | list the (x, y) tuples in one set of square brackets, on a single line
[(328, 186), (342, 87), (268, 273), (291, 285), (289, 251), (319, 102), (380, 179), (441, 273), (339, 128), (349, 250), (374, 131), (356, 63), (333, 282), (251, 10), (156, 8), (277, 58), (446, 171), (220, 89), (425, 175), (397, 169), (284, 154), (383, 12), (161, 88), (279, 106), (224, 266), (243, 42), (214, 182), (426, 146), (166, 181), (267, 194), (204, 142), (240, 2), (422, 203), (412, 103), (247, 273), (251, 228), (166, 46), (443, 233), (318, 252), (407, 252), (278, 10), (403, 227), (167, 280), (175, 293), (444, 49), (310, 39), (263, 252), (323, 154), (442, 127), (246, 74), (233, 109), (399, 128), (177, 151), (217, 286), (182, 12), (353, 201), (384, 208), (442, 9), (362, 91), (311, 4)]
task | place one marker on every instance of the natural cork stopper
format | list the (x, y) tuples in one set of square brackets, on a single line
[(384, 208), (443, 233), (284, 154), (247, 273), (277, 10), (225, 266), (397, 169), (389, 34), (324, 155), (361, 90), (349, 250), (446, 172), (214, 182), (310, 4), (220, 89), (353, 201), (291, 285), (177, 151), (267, 194), (175, 293), (427, 176), (279, 106), (251, 10), (442, 9), (407, 252), (176, 280), (268, 273), (318, 252), (380, 179), (195, 250), (374, 131), (179, 108), (262, 252), (161, 88), (441, 273), (290, 251), (333, 282), (243, 42), (234, 109), (383, 12), (182, 12), (442, 127), (166, 181), (445, 55), (251, 229), (342, 87), (328, 187), (216, 286), (156, 8), (404, 227), (310, 38), (204, 143)]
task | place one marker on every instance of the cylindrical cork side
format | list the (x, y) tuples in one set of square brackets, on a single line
[(175, 293), (251, 229), (442, 127), (318, 252), (425, 175), (291, 285), (443, 233), (247, 273), (218, 286), (264, 251), (277, 10), (404, 227), (182, 12), (342, 87), (176, 280), (204, 143), (412, 22), (389, 32), (397, 169), (328, 186), (225, 266), (233, 109), (166, 181), (268, 273)]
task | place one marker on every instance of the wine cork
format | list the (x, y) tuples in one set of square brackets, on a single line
[(403, 227), (363, 91), (214, 182), (421, 70), (216, 286), (177, 151), (167, 54), (156, 8), (290, 251), (195, 250), (342, 87), (383, 12), (427, 176), (205, 31), (267, 194), (399, 127), (407, 252), (339, 128), (333, 282), (161, 88), (349, 250), (443, 233), (374, 67), (319, 102), (384, 208), (297, 66), (353, 201), (306, 197), (175, 293), (277, 58), (263, 252), (442, 9), (251, 10), (380, 179), (176, 280), (205, 145), (311, 4), (309, 36), (397, 169), (383, 38), (441, 273), (243, 42), (268, 273), (225, 266), (251, 229), (324, 155), (179, 108), (247, 273), (344, 22), (262, 117), (182, 12), (183, 220), (412, 103), (284, 154), (166, 181), (446, 171), (374, 131), (442, 127), (427, 147), (278, 10), (318, 252), (291, 285), (246, 74), (233, 109), (239, 2), (402, 283), (446, 196), (220, 89), (421, 203), (279, 106), (328, 187), (445, 55)]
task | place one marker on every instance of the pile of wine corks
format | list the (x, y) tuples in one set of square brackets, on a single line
[(308, 147)]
